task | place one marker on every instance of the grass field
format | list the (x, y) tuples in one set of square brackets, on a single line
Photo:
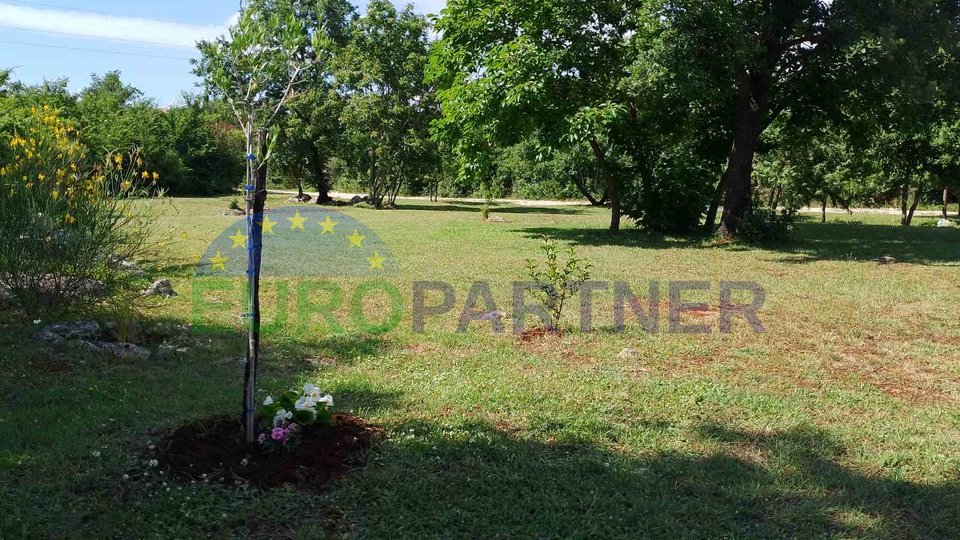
[(841, 420)]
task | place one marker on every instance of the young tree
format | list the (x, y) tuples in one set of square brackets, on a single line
[(257, 70)]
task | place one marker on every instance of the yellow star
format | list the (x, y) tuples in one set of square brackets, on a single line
[(297, 222), (267, 225), (219, 262), (376, 262), (239, 241), (328, 226), (356, 241)]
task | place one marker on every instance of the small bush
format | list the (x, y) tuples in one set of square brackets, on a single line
[(64, 221), (765, 225), (556, 282)]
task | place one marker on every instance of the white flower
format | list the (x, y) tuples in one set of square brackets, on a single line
[(310, 390), (95, 453), (281, 416), (153, 463), (306, 403), (328, 399), (268, 401), (37, 321)]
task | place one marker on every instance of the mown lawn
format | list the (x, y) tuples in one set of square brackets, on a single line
[(841, 420)]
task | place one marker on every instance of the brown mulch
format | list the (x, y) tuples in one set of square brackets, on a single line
[(212, 450)]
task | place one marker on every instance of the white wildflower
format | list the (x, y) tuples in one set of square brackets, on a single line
[(153, 463), (310, 390), (95, 453), (268, 401), (328, 399)]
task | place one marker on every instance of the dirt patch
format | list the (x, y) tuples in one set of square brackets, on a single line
[(212, 450), (531, 335), (899, 377)]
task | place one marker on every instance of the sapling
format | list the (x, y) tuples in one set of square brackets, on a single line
[(556, 281)]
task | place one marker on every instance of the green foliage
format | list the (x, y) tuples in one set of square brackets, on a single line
[(557, 281), (388, 107), (767, 226)]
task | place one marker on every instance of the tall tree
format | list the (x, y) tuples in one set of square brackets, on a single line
[(388, 106), (258, 69)]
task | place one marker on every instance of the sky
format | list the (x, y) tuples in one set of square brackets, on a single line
[(149, 41)]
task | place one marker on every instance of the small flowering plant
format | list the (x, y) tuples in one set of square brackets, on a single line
[(284, 418)]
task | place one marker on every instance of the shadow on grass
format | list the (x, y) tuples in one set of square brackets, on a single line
[(476, 481), (628, 237), (811, 242), (462, 206), (859, 242)]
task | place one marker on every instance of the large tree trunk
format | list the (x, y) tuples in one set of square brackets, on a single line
[(754, 104), (612, 188), (320, 180), (256, 202)]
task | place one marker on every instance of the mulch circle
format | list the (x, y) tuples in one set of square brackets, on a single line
[(212, 450)]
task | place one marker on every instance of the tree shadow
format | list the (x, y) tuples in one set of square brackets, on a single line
[(464, 206), (473, 480), (630, 237), (859, 242)]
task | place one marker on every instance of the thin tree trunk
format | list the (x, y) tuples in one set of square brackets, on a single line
[(904, 201), (256, 202), (946, 200), (710, 225), (823, 210), (582, 187), (737, 200), (611, 182), (908, 220)]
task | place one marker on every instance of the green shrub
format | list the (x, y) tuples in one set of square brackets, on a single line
[(763, 225), (66, 223), (556, 281)]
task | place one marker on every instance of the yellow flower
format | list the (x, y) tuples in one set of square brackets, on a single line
[(29, 185), (73, 167), (41, 177), (156, 175), (55, 194), (70, 219), (126, 185), (118, 159), (139, 162), (145, 175)]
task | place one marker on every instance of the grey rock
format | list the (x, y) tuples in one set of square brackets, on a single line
[(305, 198), (125, 265), (160, 287), (945, 224), (122, 351), (628, 354), (233, 212), (496, 219), (493, 316), (886, 260), (55, 333)]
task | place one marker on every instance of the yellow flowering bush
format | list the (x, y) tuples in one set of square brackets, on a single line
[(65, 221)]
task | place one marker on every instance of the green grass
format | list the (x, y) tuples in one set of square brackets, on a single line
[(842, 420)]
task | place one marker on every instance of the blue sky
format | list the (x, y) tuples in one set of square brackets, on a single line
[(45, 44)]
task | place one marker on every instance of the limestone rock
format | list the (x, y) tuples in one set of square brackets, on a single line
[(160, 287)]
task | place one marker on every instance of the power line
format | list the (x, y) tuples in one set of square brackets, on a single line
[(74, 34), (93, 50), (81, 10), (92, 36)]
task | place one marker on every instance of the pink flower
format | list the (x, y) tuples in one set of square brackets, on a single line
[(278, 434)]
